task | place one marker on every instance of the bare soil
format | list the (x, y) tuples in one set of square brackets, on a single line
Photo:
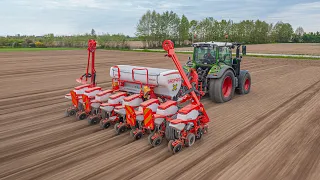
[(271, 133), (281, 48)]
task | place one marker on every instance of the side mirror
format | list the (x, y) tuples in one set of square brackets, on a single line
[(244, 50), (189, 62)]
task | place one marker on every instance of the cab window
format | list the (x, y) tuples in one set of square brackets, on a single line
[(225, 55), (205, 55)]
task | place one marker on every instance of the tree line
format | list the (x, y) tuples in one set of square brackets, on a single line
[(111, 41), (154, 27)]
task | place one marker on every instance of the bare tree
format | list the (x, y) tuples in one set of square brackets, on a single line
[(299, 31)]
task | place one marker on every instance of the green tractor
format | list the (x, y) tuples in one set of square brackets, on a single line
[(219, 74)]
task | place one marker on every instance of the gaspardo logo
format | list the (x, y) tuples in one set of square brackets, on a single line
[(171, 81)]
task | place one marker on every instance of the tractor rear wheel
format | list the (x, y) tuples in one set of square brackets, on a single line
[(222, 90), (244, 83)]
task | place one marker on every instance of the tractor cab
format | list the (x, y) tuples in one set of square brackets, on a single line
[(206, 54)]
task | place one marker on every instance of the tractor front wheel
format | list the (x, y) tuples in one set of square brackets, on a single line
[(244, 83), (222, 90)]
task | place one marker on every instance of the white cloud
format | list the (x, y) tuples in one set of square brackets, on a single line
[(70, 4), (121, 16), (306, 15)]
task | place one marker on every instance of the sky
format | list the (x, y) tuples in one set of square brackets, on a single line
[(67, 17)]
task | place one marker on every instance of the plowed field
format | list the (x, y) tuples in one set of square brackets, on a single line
[(279, 48), (271, 133)]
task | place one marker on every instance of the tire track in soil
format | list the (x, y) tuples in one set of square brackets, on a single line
[(151, 158), (68, 157), (298, 143), (255, 139), (50, 141), (311, 159), (43, 125), (119, 156), (27, 115), (33, 105)]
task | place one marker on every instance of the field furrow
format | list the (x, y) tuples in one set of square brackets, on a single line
[(271, 133)]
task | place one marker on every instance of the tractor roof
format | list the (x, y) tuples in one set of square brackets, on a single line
[(213, 43)]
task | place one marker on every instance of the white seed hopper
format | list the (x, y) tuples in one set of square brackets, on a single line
[(167, 82)]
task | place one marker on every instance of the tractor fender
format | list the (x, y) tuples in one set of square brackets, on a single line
[(220, 73), (241, 75)]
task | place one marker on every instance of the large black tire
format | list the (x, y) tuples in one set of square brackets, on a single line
[(244, 83), (216, 92)]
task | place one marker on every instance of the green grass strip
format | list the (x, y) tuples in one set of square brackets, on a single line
[(35, 49)]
